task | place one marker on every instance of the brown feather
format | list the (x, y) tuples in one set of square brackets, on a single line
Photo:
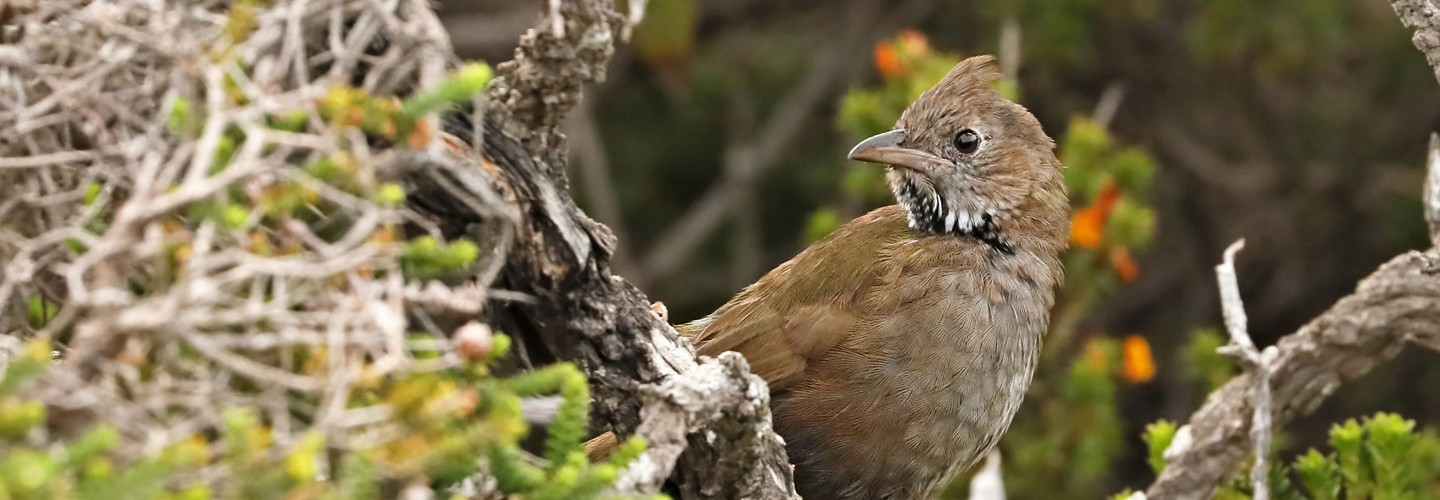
[(899, 347), (816, 293)]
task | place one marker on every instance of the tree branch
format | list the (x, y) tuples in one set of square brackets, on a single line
[(1432, 190), (1242, 348), (1424, 17), (1397, 304), (641, 373), (727, 402)]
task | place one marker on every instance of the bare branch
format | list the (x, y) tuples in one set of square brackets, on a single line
[(1432, 189), (535, 91), (105, 174), (1424, 17), (1108, 104), (724, 399), (45, 160), (1011, 55), (1243, 348), (1397, 304), (637, 366)]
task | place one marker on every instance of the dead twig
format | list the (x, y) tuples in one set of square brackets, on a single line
[(1243, 348)]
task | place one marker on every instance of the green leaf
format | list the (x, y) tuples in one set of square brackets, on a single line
[(41, 311), (461, 85), (390, 194), (1317, 473), (820, 224), (1158, 437)]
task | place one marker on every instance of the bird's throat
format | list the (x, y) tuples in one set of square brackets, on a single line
[(929, 212)]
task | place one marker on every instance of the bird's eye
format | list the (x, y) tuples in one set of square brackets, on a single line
[(967, 141)]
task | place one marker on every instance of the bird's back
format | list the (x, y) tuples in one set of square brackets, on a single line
[(894, 358)]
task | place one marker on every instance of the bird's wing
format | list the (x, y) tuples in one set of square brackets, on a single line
[(796, 313)]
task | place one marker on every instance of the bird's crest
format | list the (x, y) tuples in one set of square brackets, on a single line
[(973, 76)]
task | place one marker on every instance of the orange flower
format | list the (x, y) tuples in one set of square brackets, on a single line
[(1088, 224), (1123, 264), (1139, 364), (888, 54), (886, 60)]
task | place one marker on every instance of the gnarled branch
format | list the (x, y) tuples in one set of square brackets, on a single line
[(642, 375), (1398, 304)]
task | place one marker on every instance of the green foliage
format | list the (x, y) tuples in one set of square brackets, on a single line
[(571, 384), (18, 417), (182, 121), (396, 120), (1093, 159), (448, 424), (1278, 36), (427, 256), (667, 36), (471, 79), (1381, 457), (1158, 437), (1204, 363), (41, 311), (821, 223), (390, 194), (1064, 31), (1318, 475)]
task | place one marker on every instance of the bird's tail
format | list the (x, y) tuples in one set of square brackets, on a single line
[(601, 447)]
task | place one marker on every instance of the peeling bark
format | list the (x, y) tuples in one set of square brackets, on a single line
[(707, 420)]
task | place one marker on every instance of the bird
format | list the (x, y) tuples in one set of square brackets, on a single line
[(899, 347)]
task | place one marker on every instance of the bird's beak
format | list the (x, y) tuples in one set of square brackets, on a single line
[(885, 148)]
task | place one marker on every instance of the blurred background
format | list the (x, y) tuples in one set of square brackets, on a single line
[(715, 150)]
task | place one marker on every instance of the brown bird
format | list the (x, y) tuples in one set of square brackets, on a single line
[(898, 348)]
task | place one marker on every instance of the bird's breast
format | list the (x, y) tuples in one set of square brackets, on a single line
[(926, 390)]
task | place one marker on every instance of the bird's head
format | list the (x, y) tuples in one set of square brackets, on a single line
[(963, 160)]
